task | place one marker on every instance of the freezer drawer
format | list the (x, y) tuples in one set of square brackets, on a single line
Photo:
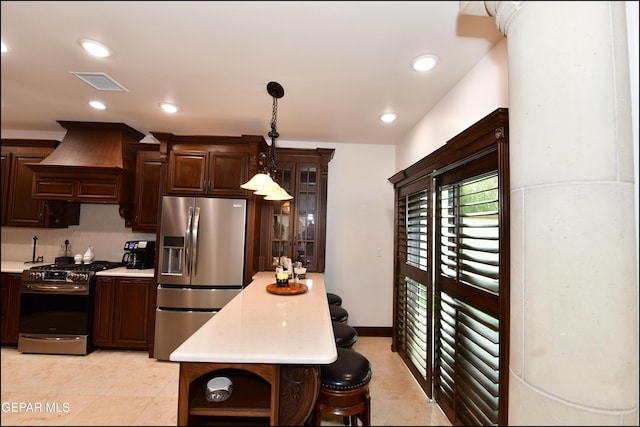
[(194, 298), (173, 327)]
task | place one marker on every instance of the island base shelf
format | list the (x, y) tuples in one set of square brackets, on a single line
[(269, 394)]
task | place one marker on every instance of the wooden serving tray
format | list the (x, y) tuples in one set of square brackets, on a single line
[(292, 289)]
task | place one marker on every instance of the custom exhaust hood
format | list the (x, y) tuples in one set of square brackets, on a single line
[(94, 163)]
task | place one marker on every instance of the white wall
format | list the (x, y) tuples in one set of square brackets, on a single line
[(359, 263), (100, 226), (480, 92)]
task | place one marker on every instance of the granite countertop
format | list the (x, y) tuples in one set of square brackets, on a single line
[(16, 266), (257, 326), (19, 267)]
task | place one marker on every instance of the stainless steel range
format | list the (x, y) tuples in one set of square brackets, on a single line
[(56, 307)]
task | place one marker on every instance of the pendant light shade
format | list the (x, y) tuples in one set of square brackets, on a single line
[(260, 181), (279, 194), (264, 183)]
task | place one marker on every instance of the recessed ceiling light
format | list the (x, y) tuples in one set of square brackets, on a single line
[(4, 48), (169, 108), (95, 48), (424, 62), (388, 117), (98, 105)]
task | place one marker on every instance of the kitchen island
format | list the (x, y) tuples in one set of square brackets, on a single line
[(271, 346)]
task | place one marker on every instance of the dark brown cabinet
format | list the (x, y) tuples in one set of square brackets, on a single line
[(213, 170), (209, 165), (121, 314), (215, 166), (5, 184), (19, 208), (297, 228), (10, 309), (147, 191)]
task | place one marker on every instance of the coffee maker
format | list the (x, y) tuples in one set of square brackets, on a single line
[(139, 254)]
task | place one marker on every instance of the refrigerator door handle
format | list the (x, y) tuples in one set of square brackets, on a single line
[(196, 227), (187, 238)]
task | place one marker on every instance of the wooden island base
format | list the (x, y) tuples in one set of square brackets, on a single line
[(263, 394)]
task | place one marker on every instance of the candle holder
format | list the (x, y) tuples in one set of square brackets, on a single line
[(282, 279)]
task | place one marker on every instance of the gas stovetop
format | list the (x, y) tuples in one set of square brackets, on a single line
[(94, 266), (73, 274)]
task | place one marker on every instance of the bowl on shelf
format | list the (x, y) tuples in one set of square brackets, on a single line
[(219, 389)]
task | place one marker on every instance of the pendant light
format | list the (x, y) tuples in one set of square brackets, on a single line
[(264, 183)]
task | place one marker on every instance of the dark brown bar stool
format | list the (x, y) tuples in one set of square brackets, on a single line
[(334, 298), (344, 389), (338, 314), (345, 335)]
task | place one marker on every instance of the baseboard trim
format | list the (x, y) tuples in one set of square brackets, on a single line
[(373, 331)]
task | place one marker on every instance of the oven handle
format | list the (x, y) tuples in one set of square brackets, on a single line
[(53, 289)]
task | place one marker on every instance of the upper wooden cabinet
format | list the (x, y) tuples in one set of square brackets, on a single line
[(209, 165), (297, 228), (217, 171), (19, 208), (147, 191), (4, 170), (215, 166)]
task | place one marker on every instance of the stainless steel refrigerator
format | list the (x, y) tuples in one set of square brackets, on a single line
[(200, 265)]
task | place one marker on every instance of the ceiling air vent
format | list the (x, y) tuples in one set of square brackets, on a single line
[(100, 81)]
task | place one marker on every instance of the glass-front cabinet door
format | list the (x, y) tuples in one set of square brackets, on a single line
[(305, 238), (281, 218), (297, 227)]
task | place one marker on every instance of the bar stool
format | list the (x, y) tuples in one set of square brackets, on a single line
[(345, 335), (338, 314), (344, 389), (334, 298)]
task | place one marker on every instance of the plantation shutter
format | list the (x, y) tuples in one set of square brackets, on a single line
[(467, 361), (413, 308)]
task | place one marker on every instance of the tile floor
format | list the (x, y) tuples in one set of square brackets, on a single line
[(129, 388)]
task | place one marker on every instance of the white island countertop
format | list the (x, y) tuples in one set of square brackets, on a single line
[(260, 327)]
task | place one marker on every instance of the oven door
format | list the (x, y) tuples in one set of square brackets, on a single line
[(55, 318)]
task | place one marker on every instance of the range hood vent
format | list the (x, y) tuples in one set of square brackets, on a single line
[(94, 162)]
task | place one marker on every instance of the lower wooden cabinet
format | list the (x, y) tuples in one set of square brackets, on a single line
[(121, 314), (10, 310)]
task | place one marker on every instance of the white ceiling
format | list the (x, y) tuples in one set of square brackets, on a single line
[(341, 64)]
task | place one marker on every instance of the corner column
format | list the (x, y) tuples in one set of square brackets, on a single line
[(574, 290)]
